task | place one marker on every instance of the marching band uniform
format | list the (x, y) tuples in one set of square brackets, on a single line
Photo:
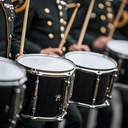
[(6, 27)]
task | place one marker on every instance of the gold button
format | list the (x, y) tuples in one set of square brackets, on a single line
[(64, 22), (47, 10), (61, 20), (110, 15), (110, 26), (62, 35), (109, 9), (101, 6), (64, 49), (49, 23), (103, 29), (62, 28), (102, 17), (60, 7), (61, 13), (57, 1), (108, 3), (50, 35)]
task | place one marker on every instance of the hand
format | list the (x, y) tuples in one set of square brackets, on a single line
[(101, 42), (76, 47), (18, 55), (51, 51)]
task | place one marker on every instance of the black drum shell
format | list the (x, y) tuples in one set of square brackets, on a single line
[(48, 89), (84, 87)]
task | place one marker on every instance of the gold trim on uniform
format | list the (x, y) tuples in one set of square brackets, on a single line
[(103, 29), (110, 25), (47, 10), (109, 9), (62, 35), (108, 3), (50, 35), (61, 20), (110, 15), (60, 7), (101, 6), (49, 23), (62, 28), (103, 17), (61, 13)]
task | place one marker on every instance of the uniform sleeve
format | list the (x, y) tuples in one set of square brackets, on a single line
[(18, 24)]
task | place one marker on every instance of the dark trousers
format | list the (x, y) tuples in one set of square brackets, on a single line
[(73, 118)]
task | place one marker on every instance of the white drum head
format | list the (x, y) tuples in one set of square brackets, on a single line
[(120, 47), (10, 71), (46, 63), (91, 60)]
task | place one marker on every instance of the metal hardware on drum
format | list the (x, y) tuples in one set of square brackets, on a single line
[(35, 95), (12, 83), (94, 77), (96, 90), (109, 88), (50, 81)]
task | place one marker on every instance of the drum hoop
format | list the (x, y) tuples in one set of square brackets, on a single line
[(13, 83), (38, 71), (98, 72), (93, 53), (122, 56), (51, 74)]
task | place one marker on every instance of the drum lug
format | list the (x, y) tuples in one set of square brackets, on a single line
[(96, 89)]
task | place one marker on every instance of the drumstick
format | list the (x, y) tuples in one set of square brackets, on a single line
[(117, 18), (62, 42), (85, 24), (24, 27), (71, 5)]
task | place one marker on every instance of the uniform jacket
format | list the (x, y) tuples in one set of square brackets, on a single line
[(100, 23), (45, 27), (6, 27)]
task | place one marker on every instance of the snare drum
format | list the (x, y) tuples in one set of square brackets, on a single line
[(94, 76), (49, 86), (118, 49), (12, 88)]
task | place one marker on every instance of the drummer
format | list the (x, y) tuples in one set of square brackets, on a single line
[(96, 36), (7, 15), (122, 27), (45, 28)]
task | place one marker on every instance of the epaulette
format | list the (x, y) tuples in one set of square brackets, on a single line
[(124, 20), (19, 5)]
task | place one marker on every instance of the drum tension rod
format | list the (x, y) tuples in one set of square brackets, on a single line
[(35, 95)]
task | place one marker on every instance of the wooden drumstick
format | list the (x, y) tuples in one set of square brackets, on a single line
[(71, 5), (117, 18), (85, 24), (62, 42), (24, 28)]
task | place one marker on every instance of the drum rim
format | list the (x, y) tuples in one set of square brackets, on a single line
[(14, 81), (46, 55), (94, 53), (120, 55)]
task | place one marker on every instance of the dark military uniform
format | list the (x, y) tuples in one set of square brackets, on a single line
[(7, 16), (45, 27), (100, 23), (6, 27)]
